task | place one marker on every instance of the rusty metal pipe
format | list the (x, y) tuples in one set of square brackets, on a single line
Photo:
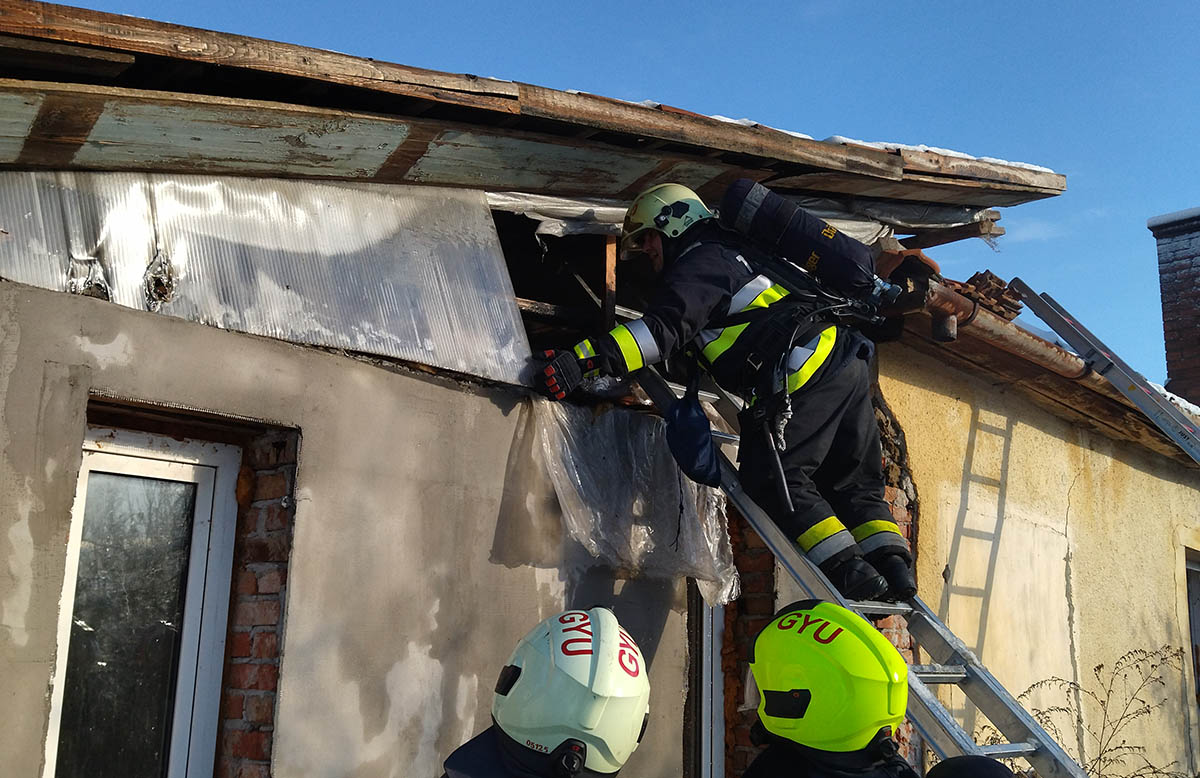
[(941, 301)]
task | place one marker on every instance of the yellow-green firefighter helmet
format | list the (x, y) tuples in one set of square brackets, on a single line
[(826, 678), (669, 208)]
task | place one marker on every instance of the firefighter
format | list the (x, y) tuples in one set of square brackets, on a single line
[(573, 700), (831, 691), (822, 479)]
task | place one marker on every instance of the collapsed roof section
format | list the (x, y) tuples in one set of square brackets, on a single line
[(85, 90), (242, 105)]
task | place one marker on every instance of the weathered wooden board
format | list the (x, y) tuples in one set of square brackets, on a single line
[(17, 114), (132, 34), (930, 163), (857, 169), (917, 187), (138, 136), (685, 127), (104, 128), (927, 238)]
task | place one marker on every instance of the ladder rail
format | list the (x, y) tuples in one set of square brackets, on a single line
[(929, 716), (1100, 358)]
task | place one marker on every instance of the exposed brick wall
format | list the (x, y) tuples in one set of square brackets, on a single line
[(1179, 284), (753, 610), (744, 617), (253, 644)]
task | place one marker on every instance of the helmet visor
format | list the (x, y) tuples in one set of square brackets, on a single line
[(633, 245)]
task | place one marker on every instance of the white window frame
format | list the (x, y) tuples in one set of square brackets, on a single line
[(213, 467)]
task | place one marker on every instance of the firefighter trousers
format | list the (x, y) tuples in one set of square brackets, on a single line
[(832, 465)]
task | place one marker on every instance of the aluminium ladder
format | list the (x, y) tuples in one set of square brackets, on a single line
[(1099, 357), (956, 663)]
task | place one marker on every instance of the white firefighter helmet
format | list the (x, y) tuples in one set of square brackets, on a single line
[(574, 697)]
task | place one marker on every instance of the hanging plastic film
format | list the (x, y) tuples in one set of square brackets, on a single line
[(624, 499), (414, 273)]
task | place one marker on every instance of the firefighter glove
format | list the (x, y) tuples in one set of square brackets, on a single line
[(560, 374)]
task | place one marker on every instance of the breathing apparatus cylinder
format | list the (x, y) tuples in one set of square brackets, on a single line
[(778, 226)]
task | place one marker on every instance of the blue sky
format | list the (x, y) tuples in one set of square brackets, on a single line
[(1106, 93)]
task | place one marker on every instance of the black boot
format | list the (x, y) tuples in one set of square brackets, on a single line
[(898, 572), (855, 578)]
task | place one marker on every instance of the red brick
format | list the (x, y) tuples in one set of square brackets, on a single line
[(254, 770), (272, 548), (232, 705), (239, 645), (759, 562), (889, 493), (266, 645), (261, 677), (260, 708), (277, 517), (252, 745), (247, 582), (225, 768), (758, 604), (758, 583), (253, 613), (270, 581), (754, 626), (752, 541), (271, 486), (273, 451)]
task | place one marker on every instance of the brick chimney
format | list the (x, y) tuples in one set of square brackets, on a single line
[(1178, 236)]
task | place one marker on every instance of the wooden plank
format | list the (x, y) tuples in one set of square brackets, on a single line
[(926, 238), (917, 187), (28, 54), (18, 112), (61, 128), (609, 304), (932, 163), (143, 36), (681, 127), (167, 132)]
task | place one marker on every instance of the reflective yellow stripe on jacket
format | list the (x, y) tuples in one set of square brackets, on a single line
[(718, 341)]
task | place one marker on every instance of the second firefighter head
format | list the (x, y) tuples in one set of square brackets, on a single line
[(574, 697), (657, 218), (827, 679)]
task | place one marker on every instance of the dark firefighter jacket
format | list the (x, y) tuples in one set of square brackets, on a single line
[(709, 280), (783, 761)]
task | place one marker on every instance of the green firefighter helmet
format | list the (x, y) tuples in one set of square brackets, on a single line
[(669, 208), (826, 678)]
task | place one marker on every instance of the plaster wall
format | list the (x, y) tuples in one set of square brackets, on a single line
[(426, 539), (1047, 549)]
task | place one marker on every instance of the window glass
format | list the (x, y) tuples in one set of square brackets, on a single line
[(125, 632), (1193, 588)]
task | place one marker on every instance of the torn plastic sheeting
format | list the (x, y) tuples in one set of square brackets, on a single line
[(865, 220), (624, 499), (414, 273)]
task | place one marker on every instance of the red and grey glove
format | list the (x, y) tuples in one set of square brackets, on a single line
[(560, 375)]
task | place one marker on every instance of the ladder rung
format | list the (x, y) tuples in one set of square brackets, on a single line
[(978, 534), (725, 437), (985, 480), (968, 591), (1005, 750), (940, 673), (880, 608), (992, 428)]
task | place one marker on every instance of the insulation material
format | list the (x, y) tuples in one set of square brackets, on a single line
[(867, 221), (624, 499), (414, 273)]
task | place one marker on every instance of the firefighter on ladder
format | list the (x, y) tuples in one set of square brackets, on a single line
[(821, 480)]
